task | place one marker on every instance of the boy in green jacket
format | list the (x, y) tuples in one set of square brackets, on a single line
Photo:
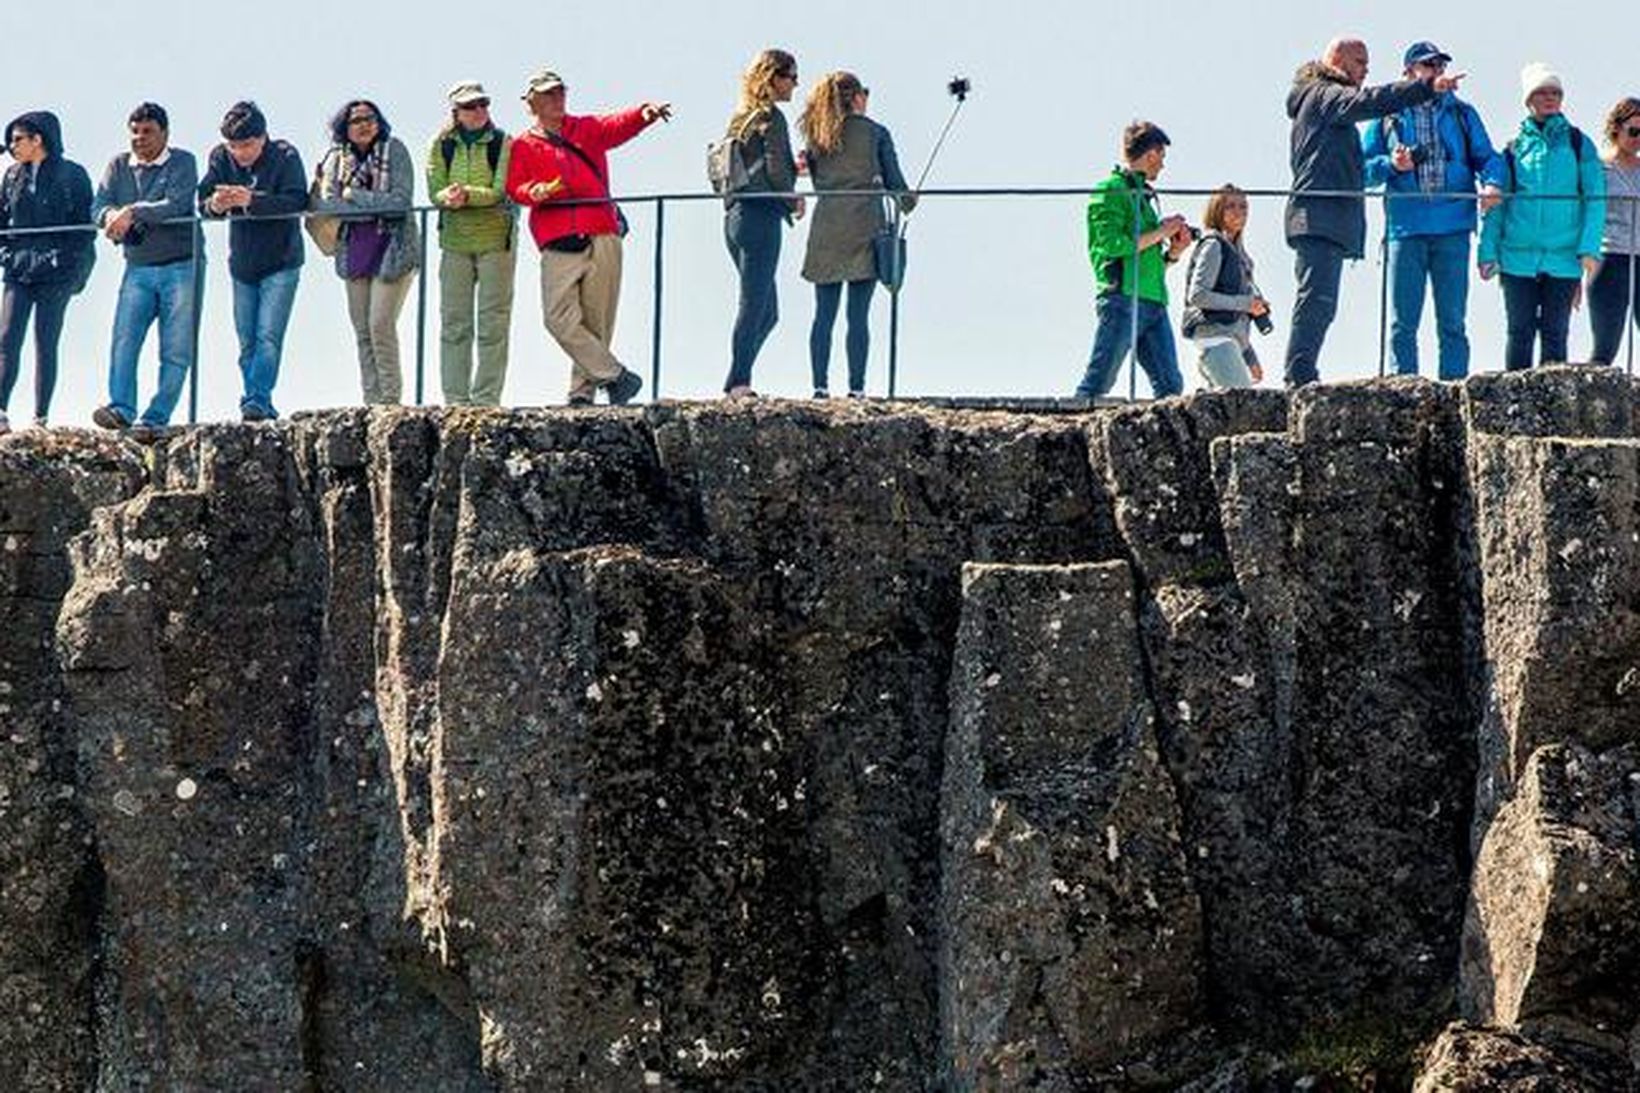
[(1130, 265), (466, 172)]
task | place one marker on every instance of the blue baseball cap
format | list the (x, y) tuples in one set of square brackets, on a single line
[(1420, 52)]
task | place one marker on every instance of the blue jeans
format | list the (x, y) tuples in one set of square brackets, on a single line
[(1319, 266), (1442, 261), (858, 344), (261, 311), (168, 293), (1157, 354), (751, 229)]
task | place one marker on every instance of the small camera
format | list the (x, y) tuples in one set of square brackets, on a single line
[(1264, 323), (1421, 154), (1195, 233), (959, 87)]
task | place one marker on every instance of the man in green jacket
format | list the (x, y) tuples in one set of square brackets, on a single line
[(466, 172), (1130, 265)]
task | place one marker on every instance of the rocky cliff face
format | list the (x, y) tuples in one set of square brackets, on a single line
[(1225, 743)]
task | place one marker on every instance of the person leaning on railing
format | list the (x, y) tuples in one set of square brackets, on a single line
[(369, 179), (1546, 237), (251, 176), (42, 270), (1221, 297), (1130, 263), (143, 193), (1614, 294), (752, 226), (560, 170), (466, 179), (845, 150)]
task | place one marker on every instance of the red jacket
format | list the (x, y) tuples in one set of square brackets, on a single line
[(534, 160)]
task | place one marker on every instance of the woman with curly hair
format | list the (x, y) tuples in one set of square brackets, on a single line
[(752, 224), (845, 150), (368, 178)]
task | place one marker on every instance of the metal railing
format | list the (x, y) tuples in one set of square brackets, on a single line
[(899, 223)]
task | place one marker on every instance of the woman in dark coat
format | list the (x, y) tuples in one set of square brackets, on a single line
[(845, 151), (41, 270)]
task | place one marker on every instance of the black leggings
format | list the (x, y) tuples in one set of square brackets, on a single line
[(826, 299), (48, 303), (1611, 294)]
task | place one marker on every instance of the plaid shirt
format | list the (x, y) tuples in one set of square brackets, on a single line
[(1432, 171)]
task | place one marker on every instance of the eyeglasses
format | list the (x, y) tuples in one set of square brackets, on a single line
[(362, 119), (476, 104)]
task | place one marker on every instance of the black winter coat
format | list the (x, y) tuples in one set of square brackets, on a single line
[(61, 195), (1326, 150)]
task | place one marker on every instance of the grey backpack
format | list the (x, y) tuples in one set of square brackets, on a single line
[(726, 168)]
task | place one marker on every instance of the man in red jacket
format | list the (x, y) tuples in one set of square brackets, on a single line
[(558, 171)]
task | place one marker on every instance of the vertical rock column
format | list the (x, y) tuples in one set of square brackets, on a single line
[(1072, 937)]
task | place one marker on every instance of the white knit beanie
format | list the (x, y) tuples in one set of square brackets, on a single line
[(1537, 76)]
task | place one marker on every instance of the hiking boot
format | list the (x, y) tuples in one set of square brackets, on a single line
[(109, 418), (144, 433), (250, 415), (624, 387)]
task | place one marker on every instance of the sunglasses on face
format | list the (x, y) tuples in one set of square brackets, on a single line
[(1632, 131), (362, 119), (476, 104), (787, 75)]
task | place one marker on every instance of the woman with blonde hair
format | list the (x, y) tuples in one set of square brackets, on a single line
[(1221, 299), (845, 150), (752, 224), (1614, 294)]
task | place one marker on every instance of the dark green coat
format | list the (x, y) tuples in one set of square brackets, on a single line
[(841, 232)]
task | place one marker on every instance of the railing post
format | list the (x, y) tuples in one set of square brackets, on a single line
[(660, 296), (194, 319), (421, 314), (894, 305), (1630, 313), (1383, 296), (1133, 309)]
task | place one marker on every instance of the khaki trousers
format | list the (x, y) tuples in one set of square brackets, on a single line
[(578, 297), (460, 275), (373, 304)]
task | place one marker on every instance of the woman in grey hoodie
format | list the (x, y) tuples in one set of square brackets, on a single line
[(1221, 298), (367, 177)]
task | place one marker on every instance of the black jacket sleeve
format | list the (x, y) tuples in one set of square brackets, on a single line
[(286, 192), (1356, 104)]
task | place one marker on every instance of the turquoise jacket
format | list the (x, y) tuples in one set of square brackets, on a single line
[(1528, 237)]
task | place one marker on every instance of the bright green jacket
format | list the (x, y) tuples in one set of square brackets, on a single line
[(485, 223), (1111, 237)]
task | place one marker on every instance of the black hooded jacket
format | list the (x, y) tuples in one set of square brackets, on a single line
[(61, 194), (1326, 150)]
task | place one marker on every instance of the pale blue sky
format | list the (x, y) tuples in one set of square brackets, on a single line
[(999, 299)]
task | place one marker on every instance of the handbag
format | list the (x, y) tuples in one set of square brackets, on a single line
[(325, 229), (888, 248)]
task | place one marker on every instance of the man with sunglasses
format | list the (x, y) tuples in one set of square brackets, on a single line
[(466, 175), (1435, 147)]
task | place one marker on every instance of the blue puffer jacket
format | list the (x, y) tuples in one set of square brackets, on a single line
[(1529, 237), (1470, 158)]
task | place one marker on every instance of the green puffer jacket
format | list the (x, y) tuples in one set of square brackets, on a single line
[(486, 222), (1111, 235)]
